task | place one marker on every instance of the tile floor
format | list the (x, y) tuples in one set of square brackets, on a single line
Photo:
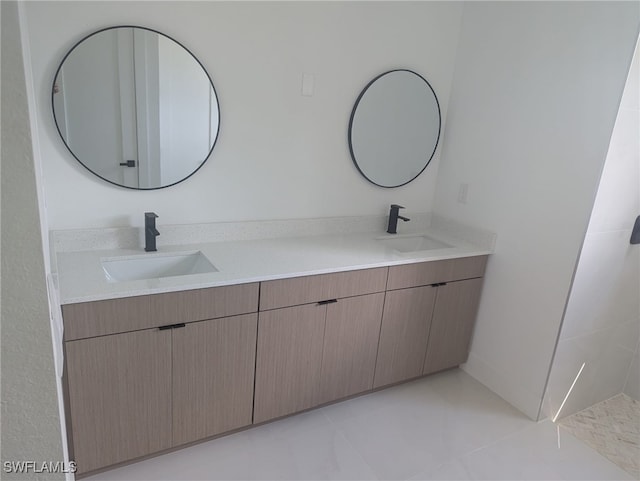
[(445, 426)]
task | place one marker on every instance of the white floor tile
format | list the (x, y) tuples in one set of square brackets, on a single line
[(431, 421), (452, 470), (445, 426), (533, 453)]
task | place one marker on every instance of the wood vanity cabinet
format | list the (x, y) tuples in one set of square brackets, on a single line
[(135, 393), (312, 353), (148, 373), (428, 319)]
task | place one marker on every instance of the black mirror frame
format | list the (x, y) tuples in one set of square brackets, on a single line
[(159, 33), (353, 112)]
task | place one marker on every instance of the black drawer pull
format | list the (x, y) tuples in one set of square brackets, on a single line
[(329, 301), (171, 326)]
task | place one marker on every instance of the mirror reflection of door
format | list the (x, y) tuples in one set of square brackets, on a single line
[(95, 88), (131, 94), (187, 125)]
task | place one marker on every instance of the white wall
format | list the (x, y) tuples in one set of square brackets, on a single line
[(602, 321), (30, 417), (533, 103), (279, 155)]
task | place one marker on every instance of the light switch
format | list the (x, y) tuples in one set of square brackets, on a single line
[(307, 84)]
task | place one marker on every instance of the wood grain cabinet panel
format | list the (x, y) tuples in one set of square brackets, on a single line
[(119, 392), (213, 373), (201, 304), (404, 334), (304, 290), (99, 318), (452, 325), (350, 346), (288, 363), (425, 273)]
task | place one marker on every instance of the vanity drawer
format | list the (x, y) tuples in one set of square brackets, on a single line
[(425, 273), (99, 318), (200, 304), (304, 290)]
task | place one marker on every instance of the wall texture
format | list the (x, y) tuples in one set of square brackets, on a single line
[(602, 321), (533, 103), (279, 155), (30, 420)]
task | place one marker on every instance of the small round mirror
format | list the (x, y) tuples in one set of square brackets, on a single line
[(135, 107), (394, 128)]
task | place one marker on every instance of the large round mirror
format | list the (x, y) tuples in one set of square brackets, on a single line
[(135, 107), (394, 128)]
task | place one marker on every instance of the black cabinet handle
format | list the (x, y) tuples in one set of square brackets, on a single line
[(329, 301), (171, 326), (128, 163)]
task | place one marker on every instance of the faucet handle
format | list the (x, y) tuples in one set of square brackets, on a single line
[(396, 206), (150, 215)]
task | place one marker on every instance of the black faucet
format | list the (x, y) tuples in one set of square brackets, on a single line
[(150, 231), (394, 215)]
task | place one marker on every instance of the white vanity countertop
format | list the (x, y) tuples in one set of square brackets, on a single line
[(81, 277)]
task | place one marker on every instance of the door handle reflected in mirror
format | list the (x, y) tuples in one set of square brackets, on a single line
[(128, 163)]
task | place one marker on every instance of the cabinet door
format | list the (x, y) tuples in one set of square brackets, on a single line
[(350, 346), (289, 358), (119, 393), (452, 325), (404, 334), (213, 370)]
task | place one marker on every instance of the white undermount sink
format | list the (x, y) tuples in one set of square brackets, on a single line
[(154, 266), (413, 243)]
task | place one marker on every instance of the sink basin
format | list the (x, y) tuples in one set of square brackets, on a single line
[(414, 243), (135, 268)]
